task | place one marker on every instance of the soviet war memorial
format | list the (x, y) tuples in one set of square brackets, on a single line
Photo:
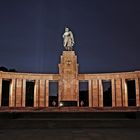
[(69, 70), (117, 91)]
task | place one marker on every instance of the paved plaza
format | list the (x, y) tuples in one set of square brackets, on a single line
[(70, 134)]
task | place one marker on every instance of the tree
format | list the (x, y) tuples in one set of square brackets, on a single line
[(2, 68)]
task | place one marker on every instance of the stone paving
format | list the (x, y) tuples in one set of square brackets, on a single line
[(69, 126), (70, 134)]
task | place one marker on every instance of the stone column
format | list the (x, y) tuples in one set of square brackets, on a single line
[(60, 90), (95, 92), (0, 91), (124, 93), (12, 96), (42, 93), (90, 92), (77, 90), (100, 93), (113, 86), (19, 91), (47, 93), (24, 93), (36, 94), (118, 93), (137, 92)]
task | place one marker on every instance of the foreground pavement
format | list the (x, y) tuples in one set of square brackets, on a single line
[(70, 134), (70, 126)]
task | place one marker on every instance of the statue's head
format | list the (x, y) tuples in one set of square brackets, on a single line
[(66, 29)]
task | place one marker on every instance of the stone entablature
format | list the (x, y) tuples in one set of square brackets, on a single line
[(68, 85), (104, 76), (28, 76), (107, 76)]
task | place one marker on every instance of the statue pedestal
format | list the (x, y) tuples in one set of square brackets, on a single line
[(68, 82)]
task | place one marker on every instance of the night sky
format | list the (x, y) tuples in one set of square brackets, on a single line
[(107, 34)]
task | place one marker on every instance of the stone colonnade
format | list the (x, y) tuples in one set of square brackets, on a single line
[(119, 93), (17, 93), (118, 88)]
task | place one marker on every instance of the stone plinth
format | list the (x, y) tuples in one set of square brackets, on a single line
[(68, 83)]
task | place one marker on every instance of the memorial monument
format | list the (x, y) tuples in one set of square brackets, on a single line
[(68, 39), (68, 70), (124, 85)]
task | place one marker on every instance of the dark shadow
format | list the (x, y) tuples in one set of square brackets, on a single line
[(131, 92), (29, 94), (107, 93), (53, 93), (68, 103), (5, 92), (83, 94), (53, 101)]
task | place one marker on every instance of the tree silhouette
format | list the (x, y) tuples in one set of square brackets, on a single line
[(2, 68)]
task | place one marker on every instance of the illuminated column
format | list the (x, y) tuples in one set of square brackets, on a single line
[(24, 93), (47, 93), (76, 87), (124, 93), (137, 92), (60, 90), (95, 93), (19, 91), (100, 93), (90, 92), (42, 93), (36, 94), (0, 90), (12, 97), (113, 93), (118, 93)]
